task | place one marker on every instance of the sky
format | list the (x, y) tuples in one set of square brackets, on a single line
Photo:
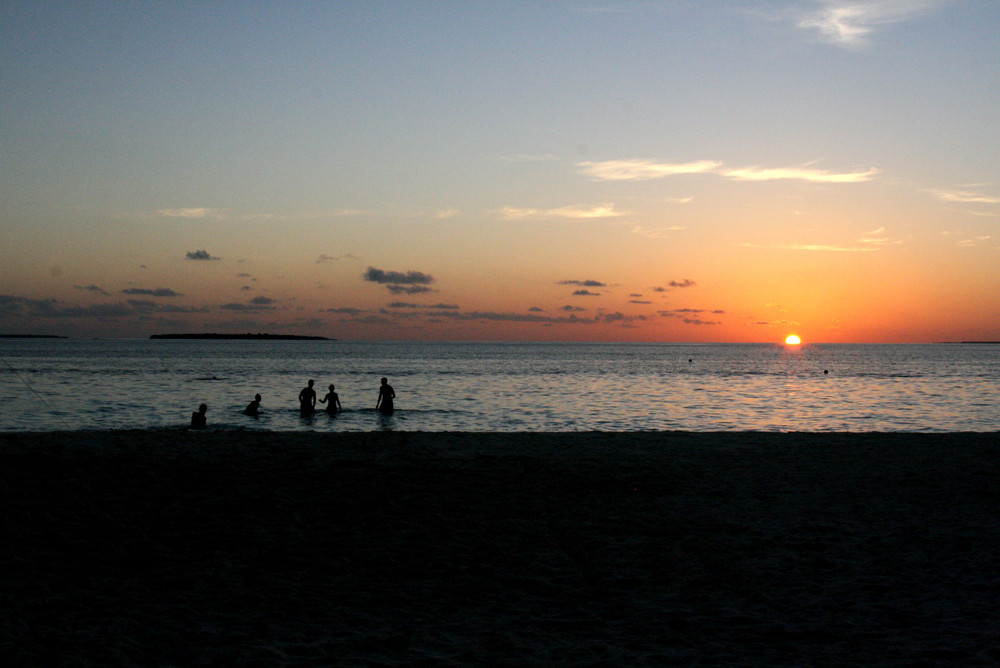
[(560, 170)]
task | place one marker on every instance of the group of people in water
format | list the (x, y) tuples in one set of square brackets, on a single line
[(307, 403)]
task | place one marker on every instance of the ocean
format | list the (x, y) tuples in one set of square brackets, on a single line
[(60, 384)]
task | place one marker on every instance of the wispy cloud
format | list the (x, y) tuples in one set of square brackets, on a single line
[(815, 247), (643, 170), (685, 283), (852, 22), (589, 283), (326, 259), (868, 242), (566, 212), (152, 292), (965, 197), (968, 243), (799, 174), (191, 212), (656, 232), (93, 288)]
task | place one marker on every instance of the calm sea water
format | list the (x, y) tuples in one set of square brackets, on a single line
[(50, 384)]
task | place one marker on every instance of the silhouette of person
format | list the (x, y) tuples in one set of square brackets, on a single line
[(385, 396), (307, 400), (334, 400), (198, 419), (253, 408)]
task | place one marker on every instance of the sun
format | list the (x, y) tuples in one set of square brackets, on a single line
[(792, 340)]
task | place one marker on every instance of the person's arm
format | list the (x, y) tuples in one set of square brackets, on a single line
[(379, 400), (338, 403), (323, 400)]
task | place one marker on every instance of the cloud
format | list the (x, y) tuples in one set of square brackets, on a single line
[(851, 22), (686, 283), (399, 278), (656, 232), (517, 317), (12, 306), (798, 173), (585, 293), (245, 308), (442, 307), (200, 255), (619, 318), (698, 310), (566, 212), (965, 197), (158, 292), (93, 288), (590, 283), (346, 311), (262, 301), (325, 259), (408, 289), (643, 170), (194, 212), (816, 247), (967, 243)]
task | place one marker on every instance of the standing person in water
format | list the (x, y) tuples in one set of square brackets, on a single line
[(253, 408), (334, 401), (385, 396), (198, 419), (307, 400)]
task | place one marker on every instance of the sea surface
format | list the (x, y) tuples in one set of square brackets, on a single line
[(57, 384)]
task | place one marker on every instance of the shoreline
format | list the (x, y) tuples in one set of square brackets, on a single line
[(585, 548)]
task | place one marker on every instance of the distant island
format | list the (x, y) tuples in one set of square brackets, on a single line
[(252, 337), (31, 336)]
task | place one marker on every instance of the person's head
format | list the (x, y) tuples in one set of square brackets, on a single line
[(311, 383), (331, 388), (203, 408), (256, 397), (385, 380)]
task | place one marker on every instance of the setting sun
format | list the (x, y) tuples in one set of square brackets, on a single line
[(792, 340)]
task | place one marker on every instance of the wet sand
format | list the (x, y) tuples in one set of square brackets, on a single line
[(304, 549)]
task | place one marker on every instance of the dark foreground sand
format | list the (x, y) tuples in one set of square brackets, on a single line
[(178, 548)]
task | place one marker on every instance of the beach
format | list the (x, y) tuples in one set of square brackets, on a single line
[(250, 548)]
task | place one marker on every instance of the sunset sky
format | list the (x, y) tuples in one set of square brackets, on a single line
[(605, 170)]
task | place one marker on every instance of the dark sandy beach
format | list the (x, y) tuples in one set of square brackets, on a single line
[(171, 548)]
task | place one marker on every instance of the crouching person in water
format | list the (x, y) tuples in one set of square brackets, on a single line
[(198, 419), (253, 408)]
